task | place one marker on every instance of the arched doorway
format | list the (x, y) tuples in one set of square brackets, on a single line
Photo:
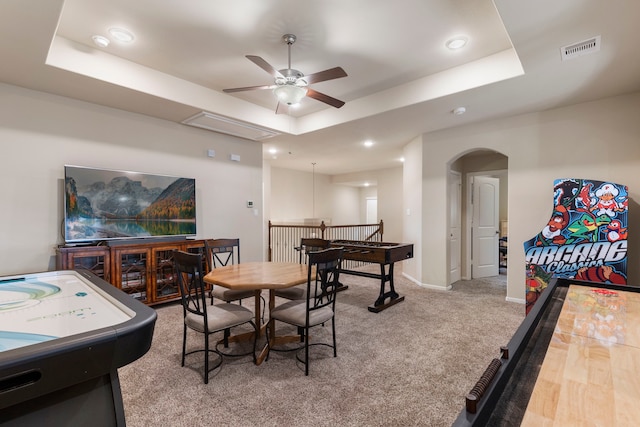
[(471, 211)]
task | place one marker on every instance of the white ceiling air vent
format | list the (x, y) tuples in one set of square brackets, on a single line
[(213, 122), (581, 48)]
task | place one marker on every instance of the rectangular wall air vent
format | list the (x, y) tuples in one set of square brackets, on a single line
[(220, 124), (581, 48)]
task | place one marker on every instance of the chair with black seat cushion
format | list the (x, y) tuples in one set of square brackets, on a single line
[(202, 318), (319, 305), (307, 244)]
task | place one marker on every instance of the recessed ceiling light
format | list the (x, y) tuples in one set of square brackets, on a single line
[(100, 41), (366, 184), (457, 43), (458, 111), (273, 150), (121, 35), (368, 143)]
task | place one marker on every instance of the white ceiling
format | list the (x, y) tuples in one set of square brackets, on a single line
[(402, 80)]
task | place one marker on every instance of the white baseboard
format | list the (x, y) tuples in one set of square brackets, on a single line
[(426, 285)]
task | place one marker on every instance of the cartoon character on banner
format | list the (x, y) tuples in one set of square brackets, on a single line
[(585, 239)]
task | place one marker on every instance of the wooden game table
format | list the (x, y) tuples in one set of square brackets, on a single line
[(575, 360), (63, 335), (258, 276)]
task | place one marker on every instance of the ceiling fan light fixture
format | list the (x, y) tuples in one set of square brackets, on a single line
[(291, 84), (290, 94)]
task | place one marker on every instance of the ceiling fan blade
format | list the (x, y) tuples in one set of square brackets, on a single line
[(330, 74), (265, 66), (242, 89), (324, 98)]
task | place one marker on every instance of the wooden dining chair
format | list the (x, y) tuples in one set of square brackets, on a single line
[(319, 305), (307, 244), (203, 318)]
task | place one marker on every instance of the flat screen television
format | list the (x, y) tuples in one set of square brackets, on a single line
[(102, 204)]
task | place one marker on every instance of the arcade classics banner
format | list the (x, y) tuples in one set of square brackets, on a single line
[(585, 238)]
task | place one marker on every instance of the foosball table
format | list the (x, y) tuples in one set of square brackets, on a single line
[(383, 253)]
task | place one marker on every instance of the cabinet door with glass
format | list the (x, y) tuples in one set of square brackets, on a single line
[(131, 267), (163, 275), (96, 259)]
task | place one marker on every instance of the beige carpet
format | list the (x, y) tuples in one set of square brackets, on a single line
[(410, 365)]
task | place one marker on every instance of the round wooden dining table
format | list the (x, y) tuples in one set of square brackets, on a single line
[(258, 276)]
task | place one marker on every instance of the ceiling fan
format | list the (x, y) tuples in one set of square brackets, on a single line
[(291, 85)]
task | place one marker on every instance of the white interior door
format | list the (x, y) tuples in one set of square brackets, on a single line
[(455, 226), (372, 210), (485, 226)]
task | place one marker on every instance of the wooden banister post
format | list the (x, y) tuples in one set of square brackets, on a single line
[(269, 243)]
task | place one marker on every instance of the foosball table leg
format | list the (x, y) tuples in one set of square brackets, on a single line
[(392, 295)]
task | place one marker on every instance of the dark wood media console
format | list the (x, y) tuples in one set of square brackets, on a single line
[(142, 269)]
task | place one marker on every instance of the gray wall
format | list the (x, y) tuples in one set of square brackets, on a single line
[(596, 140), (40, 133), (291, 198)]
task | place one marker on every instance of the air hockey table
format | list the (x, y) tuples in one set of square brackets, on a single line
[(63, 335)]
